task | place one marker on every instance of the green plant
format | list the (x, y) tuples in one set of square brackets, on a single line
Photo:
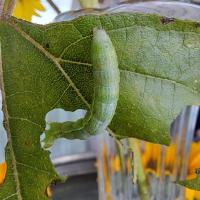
[(47, 67)]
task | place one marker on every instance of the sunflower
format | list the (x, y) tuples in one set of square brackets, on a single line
[(151, 158), (25, 9)]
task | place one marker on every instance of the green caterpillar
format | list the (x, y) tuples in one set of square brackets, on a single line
[(106, 93)]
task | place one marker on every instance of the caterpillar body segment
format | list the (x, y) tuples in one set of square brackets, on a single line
[(106, 93), (106, 78)]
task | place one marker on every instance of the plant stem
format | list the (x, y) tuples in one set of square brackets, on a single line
[(6, 8), (89, 3), (141, 178), (119, 147), (54, 6)]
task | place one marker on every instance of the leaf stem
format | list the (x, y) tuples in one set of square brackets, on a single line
[(89, 3), (141, 178), (6, 8), (119, 146), (54, 6)]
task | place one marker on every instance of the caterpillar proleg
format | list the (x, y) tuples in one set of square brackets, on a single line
[(106, 93)]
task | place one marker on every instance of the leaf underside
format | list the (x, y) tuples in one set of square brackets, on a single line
[(47, 67)]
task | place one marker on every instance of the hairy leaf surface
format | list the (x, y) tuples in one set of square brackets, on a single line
[(47, 67)]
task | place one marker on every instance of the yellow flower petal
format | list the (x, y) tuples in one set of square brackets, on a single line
[(151, 156), (25, 9), (3, 170), (197, 195), (189, 194)]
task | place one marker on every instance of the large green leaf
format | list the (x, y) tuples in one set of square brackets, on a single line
[(47, 67)]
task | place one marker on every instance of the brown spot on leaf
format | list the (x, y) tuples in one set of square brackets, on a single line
[(166, 20), (47, 45)]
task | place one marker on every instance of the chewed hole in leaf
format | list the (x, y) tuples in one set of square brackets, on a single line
[(3, 143), (60, 115), (62, 147)]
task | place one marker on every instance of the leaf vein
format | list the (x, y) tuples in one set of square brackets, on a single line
[(77, 30), (10, 196), (159, 77), (24, 119), (7, 127), (34, 168), (52, 58), (54, 104), (24, 92), (73, 43), (75, 62)]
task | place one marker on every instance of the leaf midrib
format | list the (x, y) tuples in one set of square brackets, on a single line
[(51, 58), (135, 72), (59, 59), (7, 126)]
